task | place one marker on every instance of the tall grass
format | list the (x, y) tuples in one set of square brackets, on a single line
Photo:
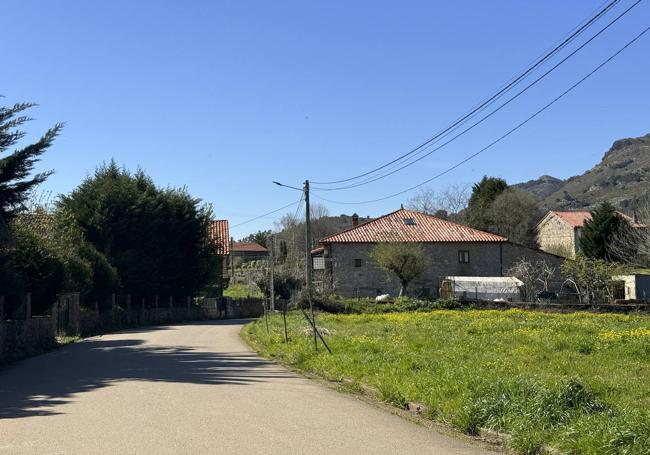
[(577, 382)]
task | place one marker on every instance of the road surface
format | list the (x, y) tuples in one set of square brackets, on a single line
[(192, 388)]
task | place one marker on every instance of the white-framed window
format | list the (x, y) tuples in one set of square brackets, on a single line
[(463, 257)]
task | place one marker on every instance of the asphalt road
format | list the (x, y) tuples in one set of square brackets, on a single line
[(193, 388)]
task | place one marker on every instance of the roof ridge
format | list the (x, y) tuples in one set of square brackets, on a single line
[(351, 228), (433, 229)]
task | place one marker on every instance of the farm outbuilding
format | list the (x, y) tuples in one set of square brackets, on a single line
[(481, 288)]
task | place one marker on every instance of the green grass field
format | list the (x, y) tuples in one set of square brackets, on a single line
[(577, 382), (241, 291)]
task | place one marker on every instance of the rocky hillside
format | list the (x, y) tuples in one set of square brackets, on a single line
[(622, 177)]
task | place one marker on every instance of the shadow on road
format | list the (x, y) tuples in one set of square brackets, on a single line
[(34, 386)]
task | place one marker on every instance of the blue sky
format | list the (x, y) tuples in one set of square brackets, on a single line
[(224, 97)]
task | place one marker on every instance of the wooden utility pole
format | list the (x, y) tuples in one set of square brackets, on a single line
[(272, 287), (308, 262)]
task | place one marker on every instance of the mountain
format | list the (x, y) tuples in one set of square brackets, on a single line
[(622, 177)]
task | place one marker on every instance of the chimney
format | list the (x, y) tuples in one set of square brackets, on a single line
[(355, 220)]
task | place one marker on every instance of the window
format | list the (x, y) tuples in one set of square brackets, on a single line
[(463, 257), (409, 221), (358, 262)]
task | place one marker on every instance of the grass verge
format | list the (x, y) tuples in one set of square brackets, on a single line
[(576, 382)]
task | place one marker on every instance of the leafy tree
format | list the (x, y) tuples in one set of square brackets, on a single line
[(515, 214), (156, 238), (15, 169), (478, 213), (591, 278), (600, 232), (405, 260), (259, 237)]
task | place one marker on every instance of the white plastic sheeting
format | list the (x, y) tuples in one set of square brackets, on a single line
[(481, 288)]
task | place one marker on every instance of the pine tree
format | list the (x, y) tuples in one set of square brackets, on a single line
[(483, 195), (599, 232), (15, 169)]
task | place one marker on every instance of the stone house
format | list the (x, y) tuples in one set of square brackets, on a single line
[(559, 232), (451, 248), (248, 251)]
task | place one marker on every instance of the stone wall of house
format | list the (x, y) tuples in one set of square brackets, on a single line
[(370, 280), (554, 233)]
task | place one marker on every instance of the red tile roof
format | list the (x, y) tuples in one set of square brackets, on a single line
[(424, 229), (248, 247), (574, 219), (578, 218), (219, 233)]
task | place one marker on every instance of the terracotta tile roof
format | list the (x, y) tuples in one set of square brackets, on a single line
[(410, 226), (578, 218), (219, 233), (573, 218), (248, 247), (318, 251)]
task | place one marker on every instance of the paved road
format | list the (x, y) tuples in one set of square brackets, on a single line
[(191, 388)]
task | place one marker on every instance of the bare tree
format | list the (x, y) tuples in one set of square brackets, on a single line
[(536, 276), (451, 200)]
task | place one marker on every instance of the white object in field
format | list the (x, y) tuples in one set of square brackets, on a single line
[(382, 298)]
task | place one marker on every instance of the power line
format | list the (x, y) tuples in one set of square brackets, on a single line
[(399, 167), (472, 156), (266, 214), (489, 100)]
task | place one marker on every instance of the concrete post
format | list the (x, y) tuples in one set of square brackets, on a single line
[(28, 305), (128, 308), (55, 317)]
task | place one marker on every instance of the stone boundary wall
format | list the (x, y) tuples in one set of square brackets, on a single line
[(25, 338)]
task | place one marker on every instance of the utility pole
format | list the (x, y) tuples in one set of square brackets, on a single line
[(272, 241), (308, 264)]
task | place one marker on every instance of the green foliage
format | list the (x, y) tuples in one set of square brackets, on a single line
[(591, 278), (600, 231), (46, 256), (478, 214), (514, 214), (524, 373), (259, 237), (15, 169), (242, 291), (405, 260), (156, 238)]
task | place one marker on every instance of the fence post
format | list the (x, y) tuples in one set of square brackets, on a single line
[(142, 315), (128, 308), (155, 313), (2, 308), (28, 305), (171, 308), (96, 307), (189, 302), (76, 324), (55, 317), (113, 307)]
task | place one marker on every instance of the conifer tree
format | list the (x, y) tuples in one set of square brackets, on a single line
[(16, 178), (599, 232)]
